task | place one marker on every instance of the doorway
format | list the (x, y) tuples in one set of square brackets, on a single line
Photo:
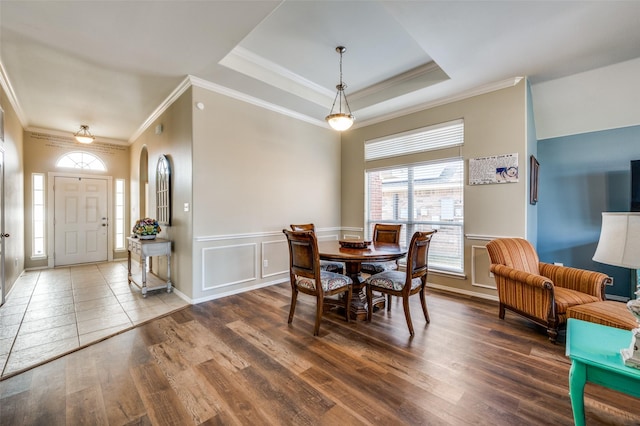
[(79, 219), (3, 235)]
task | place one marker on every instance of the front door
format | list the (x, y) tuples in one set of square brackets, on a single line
[(80, 220)]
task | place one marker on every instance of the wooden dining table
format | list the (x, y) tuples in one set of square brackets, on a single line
[(353, 259)]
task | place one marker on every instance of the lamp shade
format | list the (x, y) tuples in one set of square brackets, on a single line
[(619, 243)]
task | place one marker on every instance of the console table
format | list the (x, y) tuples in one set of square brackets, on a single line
[(594, 350), (144, 249)]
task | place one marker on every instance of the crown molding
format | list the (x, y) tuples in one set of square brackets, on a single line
[(191, 80), (11, 95), (394, 81), (173, 96), (204, 84), (69, 135), (481, 90)]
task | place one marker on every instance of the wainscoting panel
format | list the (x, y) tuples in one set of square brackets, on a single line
[(480, 262), (275, 258), (228, 265)]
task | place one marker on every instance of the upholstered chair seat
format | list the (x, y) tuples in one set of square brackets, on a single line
[(383, 233), (330, 281)]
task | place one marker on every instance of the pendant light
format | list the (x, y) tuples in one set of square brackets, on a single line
[(84, 135), (340, 120)]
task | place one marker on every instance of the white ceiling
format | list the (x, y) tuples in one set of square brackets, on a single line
[(111, 64)]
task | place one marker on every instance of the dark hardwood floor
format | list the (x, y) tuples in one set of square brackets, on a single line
[(236, 361)]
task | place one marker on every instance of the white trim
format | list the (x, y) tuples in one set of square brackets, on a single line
[(204, 84), (237, 291), (230, 283), (484, 237), (11, 95), (462, 291), (69, 136), (164, 105), (487, 88), (207, 238), (264, 243), (473, 269)]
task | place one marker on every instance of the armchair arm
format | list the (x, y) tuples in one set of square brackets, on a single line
[(582, 280), (522, 277), (529, 294)]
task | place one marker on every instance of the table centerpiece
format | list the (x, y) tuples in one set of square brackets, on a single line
[(146, 229)]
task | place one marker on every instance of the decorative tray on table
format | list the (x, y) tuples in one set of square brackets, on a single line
[(357, 244)]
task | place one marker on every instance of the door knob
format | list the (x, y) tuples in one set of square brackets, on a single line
[(5, 235)]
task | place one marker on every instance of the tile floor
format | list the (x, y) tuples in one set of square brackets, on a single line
[(54, 311)]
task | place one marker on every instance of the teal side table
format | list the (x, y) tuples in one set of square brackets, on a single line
[(594, 351)]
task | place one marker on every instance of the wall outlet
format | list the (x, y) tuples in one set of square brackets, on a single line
[(265, 263), (491, 275), (558, 263), (611, 281)]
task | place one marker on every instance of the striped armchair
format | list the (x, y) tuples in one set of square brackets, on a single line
[(539, 291)]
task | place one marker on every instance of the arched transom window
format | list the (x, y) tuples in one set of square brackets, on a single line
[(81, 160)]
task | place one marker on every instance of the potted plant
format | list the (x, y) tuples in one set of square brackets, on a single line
[(146, 229)]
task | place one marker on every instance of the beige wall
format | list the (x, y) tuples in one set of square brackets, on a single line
[(42, 151), (175, 142), (14, 219), (255, 173), (495, 123)]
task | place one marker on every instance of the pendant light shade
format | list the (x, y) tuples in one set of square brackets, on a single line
[(340, 120), (84, 135)]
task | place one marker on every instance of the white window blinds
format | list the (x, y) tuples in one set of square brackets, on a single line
[(438, 136)]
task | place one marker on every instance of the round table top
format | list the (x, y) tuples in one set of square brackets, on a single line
[(375, 252)]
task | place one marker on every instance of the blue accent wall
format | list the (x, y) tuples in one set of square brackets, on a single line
[(582, 176)]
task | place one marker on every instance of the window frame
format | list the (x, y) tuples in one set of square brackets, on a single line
[(43, 219)]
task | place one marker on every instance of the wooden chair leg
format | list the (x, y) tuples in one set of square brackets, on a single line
[(407, 314), (319, 307), (294, 298), (423, 301), (501, 311), (388, 302), (347, 304), (369, 303)]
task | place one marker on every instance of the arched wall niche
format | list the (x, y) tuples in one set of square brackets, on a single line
[(144, 182)]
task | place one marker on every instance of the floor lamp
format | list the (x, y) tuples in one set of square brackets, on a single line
[(619, 245)]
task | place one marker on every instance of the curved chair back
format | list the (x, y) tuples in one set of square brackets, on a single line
[(516, 253), (304, 259), (385, 233), (303, 227), (418, 256)]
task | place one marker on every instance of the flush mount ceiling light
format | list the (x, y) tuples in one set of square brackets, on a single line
[(84, 135), (340, 120)]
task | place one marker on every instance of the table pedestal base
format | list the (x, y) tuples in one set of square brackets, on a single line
[(359, 304)]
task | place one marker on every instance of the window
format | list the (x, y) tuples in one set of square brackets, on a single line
[(37, 185), (81, 160), (119, 231), (421, 196)]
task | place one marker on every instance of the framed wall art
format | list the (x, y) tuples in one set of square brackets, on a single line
[(534, 168)]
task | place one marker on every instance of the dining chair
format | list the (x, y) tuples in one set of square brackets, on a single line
[(383, 233), (405, 284), (326, 265), (305, 275)]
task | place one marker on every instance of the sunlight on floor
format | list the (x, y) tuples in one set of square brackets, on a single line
[(54, 311)]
